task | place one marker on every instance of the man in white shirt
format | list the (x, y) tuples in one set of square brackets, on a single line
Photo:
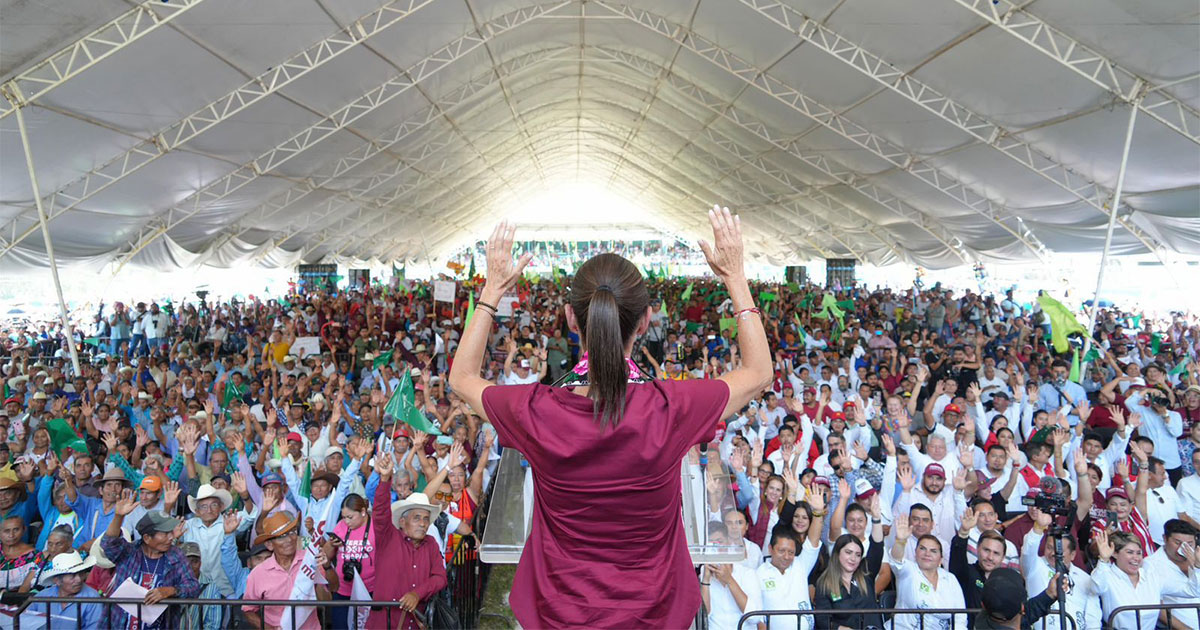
[(1159, 424), (728, 590), (771, 415), (784, 580), (946, 504), (1162, 502), (1082, 603), (1170, 560), (1106, 458), (1189, 493)]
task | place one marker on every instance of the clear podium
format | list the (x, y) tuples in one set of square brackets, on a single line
[(706, 494)]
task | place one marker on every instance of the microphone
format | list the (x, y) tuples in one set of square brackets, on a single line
[(704, 454)]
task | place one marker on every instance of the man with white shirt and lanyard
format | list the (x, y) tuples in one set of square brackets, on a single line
[(728, 590), (1162, 501)]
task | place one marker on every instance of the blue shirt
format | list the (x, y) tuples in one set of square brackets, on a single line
[(93, 521), (1050, 399), (85, 616)]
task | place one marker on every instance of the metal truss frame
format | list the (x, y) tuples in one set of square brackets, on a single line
[(1074, 55), (972, 123), (314, 134), (700, 96), (177, 134), (71, 61)]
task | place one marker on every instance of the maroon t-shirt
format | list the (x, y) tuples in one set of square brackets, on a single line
[(606, 547)]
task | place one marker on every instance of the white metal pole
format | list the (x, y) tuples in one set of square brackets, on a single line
[(37, 197), (1112, 220)]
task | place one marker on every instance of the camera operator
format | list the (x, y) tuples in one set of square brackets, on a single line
[(1038, 567), (1161, 425), (1054, 495)]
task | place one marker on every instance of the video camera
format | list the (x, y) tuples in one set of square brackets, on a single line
[(1157, 398), (1052, 500)]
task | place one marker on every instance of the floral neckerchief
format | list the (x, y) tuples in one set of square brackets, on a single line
[(577, 377)]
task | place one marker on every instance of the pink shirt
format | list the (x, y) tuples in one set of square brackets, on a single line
[(270, 581), (356, 547)]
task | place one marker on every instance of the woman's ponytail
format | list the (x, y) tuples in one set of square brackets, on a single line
[(609, 298)]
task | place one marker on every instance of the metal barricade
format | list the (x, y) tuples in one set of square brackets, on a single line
[(805, 618), (230, 609), (930, 618), (1124, 613)]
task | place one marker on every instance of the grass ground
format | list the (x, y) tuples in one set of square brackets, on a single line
[(495, 615)]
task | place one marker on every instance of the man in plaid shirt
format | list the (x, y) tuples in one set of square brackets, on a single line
[(155, 564)]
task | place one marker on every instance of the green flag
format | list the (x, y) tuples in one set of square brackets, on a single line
[(232, 392), (1179, 369), (92, 341), (1075, 377), (470, 309), (800, 328), (1155, 343), (306, 481), (62, 436), (1093, 354), (284, 303), (383, 359), (729, 323), (793, 286), (402, 406), (766, 296), (807, 301), (1062, 322), (846, 305), (830, 308), (687, 293)]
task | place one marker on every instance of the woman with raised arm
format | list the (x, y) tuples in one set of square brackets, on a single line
[(607, 548)]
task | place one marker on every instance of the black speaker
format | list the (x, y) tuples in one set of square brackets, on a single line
[(796, 273), (839, 271)]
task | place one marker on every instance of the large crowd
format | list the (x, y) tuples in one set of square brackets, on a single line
[(918, 448)]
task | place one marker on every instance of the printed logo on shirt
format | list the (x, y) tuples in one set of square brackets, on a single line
[(925, 588), (979, 583), (769, 584)]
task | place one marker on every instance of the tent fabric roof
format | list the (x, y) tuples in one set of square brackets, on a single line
[(929, 132)]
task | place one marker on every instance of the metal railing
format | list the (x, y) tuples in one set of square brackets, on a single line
[(804, 617), (1139, 610), (72, 618), (822, 618)]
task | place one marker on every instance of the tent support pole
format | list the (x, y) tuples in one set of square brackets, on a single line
[(37, 198), (1112, 220)]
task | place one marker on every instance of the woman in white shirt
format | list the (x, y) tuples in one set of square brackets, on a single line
[(1121, 581), (925, 585)]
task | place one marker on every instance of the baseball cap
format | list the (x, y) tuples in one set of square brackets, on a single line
[(190, 549), (935, 469), (1115, 492), (151, 483), (294, 437), (272, 477), (156, 521), (863, 489), (1003, 594), (952, 408)]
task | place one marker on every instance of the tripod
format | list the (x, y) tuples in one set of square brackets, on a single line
[(1061, 577)]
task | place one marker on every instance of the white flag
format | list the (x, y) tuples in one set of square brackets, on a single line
[(359, 593), (304, 589)]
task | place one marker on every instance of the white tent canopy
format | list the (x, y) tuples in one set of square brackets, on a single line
[(930, 132)]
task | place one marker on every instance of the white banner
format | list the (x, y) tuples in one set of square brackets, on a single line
[(443, 290), (505, 307), (305, 346)]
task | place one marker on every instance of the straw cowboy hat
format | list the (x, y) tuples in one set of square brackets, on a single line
[(415, 501), (115, 474), (68, 564), (97, 552), (208, 492), (276, 525)]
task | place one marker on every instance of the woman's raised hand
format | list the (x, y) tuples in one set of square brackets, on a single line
[(502, 271), (724, 254)]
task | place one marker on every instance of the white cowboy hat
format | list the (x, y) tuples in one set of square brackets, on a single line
[(416, 500), (97, 551), (208, 492), (68, 564)]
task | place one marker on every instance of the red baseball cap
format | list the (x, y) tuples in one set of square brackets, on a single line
[(935, 469), (849, 403), (1115, 492), (824, 481), (837, 415), (294, 437), (952, 408)]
